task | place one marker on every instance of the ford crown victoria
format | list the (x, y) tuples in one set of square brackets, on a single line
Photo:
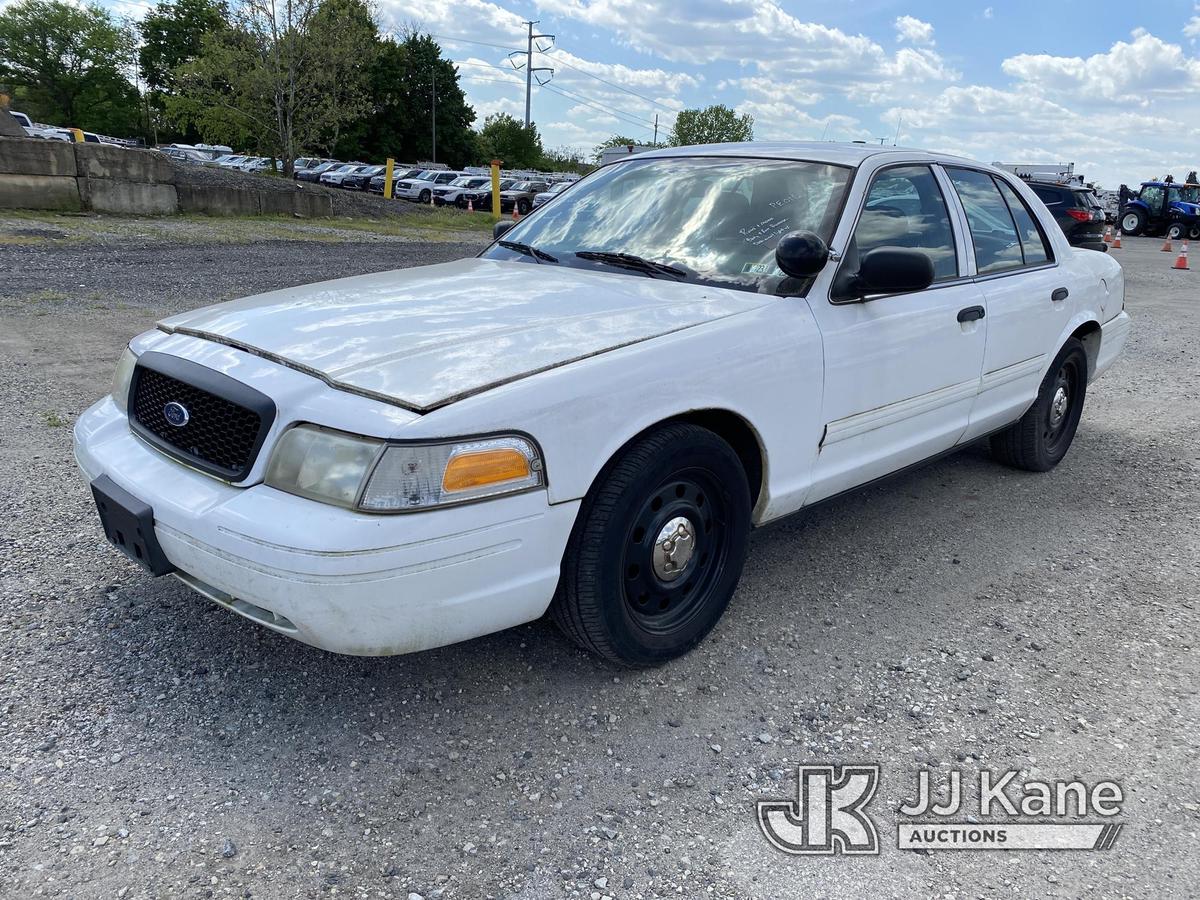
[(589, 417)]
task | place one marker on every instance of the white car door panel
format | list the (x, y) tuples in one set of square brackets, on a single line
[(901, 371), (1026, 292)]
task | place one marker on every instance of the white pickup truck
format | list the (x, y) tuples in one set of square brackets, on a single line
[(591, 415)]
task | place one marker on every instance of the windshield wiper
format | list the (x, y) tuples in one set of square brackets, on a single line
[(528, 250), (630, 261)]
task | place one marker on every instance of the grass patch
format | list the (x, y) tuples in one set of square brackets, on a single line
[(54, 420), (48, 296)]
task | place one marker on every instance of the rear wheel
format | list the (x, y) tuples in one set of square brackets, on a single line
[(1194, 233), (1040, 439), (658, 548), (523, 206), (1133, 222), (424, 197)]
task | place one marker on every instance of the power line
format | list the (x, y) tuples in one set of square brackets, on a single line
[(625, 117), (619, 87), (560, 61)]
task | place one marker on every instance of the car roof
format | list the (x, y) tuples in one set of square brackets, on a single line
[(837, 153)]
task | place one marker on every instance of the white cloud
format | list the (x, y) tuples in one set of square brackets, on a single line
[(988, 12), (913, 30)]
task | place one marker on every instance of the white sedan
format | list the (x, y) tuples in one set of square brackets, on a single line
[(591, 415)]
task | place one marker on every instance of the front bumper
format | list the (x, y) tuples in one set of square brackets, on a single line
[(340, 580)]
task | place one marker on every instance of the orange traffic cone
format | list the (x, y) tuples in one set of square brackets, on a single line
[(1166, 247), (470, 206), (1108, 234), (516, 216), (1116, 241), (1181, 260)]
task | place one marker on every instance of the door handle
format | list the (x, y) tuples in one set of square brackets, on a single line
[(971, 314), (1059, 295)]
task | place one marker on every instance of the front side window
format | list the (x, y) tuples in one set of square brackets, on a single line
[(1033, 243), (713, 220), (993, 231), (905, 208)]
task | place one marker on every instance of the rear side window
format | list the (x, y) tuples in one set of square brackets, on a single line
[(993, 231), (1048, 196), (1033, 242), (905, 208)]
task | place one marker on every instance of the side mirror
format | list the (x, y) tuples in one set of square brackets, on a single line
[(500, 227), (801, 254), (893, 270)]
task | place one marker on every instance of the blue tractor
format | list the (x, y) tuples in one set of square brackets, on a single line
[(1161, 207)]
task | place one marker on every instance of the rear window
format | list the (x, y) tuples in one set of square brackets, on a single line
[(1085, 200)]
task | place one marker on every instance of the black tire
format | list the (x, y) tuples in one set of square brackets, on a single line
[(1176, 231), (1038, 441), (1133, 222), (424, 197), (616, 596), (1194, 233), (524, 206)]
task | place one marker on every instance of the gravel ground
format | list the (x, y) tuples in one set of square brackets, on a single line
[(154, 745)]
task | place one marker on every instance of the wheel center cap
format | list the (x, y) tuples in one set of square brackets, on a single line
[(1058, 406), (674, 548)]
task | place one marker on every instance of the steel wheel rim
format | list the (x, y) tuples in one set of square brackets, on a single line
[(1129, 222), (1060, 410), (657, 599)]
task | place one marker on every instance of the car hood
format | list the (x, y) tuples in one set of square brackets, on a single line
[(424, 337)]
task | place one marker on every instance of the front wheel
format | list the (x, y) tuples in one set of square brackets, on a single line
[(424, 197), (658, 548), (1176, 231), (1040, 439), (524, 206), (1133, 222), (1194, 233)]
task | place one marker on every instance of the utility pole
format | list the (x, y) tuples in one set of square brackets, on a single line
[(433, 120), (656, 129), (528, 64)]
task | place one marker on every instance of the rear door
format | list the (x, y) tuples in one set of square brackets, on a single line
[(1026, 292), (901, 370)]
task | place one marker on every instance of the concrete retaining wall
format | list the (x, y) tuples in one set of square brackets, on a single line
[(55, 175)]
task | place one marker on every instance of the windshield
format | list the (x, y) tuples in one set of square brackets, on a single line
[(427, 176), (717, 219)]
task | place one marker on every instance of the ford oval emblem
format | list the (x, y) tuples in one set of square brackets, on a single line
[(176, 413)]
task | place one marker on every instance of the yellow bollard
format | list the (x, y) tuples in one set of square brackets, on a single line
[(496, 188), (387, 179)]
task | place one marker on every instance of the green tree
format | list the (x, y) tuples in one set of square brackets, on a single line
[(399, 123), (67, 65), (172, 35), (505, 138), (565, 159), (282, 78), (712, 125)]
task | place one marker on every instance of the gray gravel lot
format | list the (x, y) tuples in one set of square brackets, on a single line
[(155, 745)]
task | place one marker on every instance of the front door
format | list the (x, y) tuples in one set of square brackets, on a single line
[(902, 370)]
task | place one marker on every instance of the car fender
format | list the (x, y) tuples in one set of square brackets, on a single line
[(765, 366)]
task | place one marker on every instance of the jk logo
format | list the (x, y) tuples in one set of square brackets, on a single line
[(828, 815)]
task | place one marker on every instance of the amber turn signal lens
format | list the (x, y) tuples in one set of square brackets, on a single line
[(484, 467)]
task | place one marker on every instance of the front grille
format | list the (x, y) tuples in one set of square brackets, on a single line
[(226, 421)]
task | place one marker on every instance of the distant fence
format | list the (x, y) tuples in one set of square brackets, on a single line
[(55, 175)]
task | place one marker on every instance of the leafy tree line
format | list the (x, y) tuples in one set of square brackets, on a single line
[(309, 77)]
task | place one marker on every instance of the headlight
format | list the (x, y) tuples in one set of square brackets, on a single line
[(121, 379), (377, 476)]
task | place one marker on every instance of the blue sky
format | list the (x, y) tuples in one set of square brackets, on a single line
[(1111, 86)]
